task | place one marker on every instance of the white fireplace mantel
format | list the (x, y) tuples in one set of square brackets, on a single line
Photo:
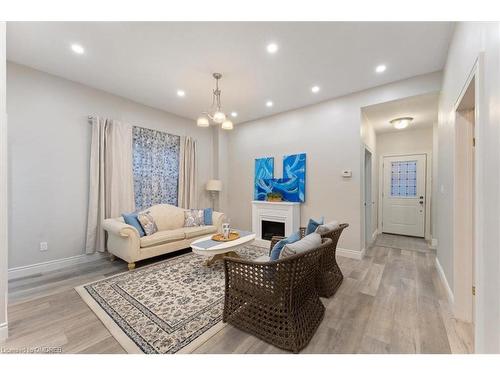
[(281, 212)]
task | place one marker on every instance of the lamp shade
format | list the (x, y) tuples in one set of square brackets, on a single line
[(202, 122), (214, 185)]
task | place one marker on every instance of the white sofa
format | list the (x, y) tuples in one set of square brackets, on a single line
[(125, 243)]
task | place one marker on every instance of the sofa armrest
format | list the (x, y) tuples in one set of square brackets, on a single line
[(119, 228), (217, 220), (123, 240)]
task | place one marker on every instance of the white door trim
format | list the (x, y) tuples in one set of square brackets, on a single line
[(365, 147), (463, 301), (428, 188)]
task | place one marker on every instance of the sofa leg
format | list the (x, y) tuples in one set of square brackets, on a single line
[(131, 266), (112, 257)]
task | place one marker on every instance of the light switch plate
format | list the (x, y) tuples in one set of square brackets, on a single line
[(44, 246)]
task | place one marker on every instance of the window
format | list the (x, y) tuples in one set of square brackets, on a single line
[(404, 178)]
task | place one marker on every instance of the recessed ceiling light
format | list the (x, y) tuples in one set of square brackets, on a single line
[(181, 93), (315, 89), (380, 68), (76, 48), (269, 103), (234, 114), (272, 48)]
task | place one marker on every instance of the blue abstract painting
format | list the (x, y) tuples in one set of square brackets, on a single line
[(294, 169), (293, 184), (264, 170)]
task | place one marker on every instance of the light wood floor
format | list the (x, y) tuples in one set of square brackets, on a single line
[(392, 301)]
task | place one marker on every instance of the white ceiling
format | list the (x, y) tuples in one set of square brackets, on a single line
[(149, 61), (423, 109)]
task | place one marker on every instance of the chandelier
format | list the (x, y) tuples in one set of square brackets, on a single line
[(215, 114)]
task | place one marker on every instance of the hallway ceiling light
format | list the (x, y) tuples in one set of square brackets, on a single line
[(215, 113), (401, 122), (181, 93), (269, 104), (380, 68)]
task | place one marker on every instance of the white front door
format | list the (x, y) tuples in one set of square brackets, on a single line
[(403, 201)]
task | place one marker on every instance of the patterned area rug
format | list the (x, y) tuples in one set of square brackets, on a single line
[(168, 307)]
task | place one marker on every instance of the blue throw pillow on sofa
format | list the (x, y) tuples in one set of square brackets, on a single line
[(313, 224), (131, 219), (276, 251), (207, 216)]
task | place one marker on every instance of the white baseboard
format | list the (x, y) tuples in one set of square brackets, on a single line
[(4, 331), (442, 276), (52, 265), (353, 254), (434, 243)]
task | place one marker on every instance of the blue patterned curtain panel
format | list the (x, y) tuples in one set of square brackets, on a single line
[(155, 167)]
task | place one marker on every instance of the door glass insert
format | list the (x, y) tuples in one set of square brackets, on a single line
[(404, 178)]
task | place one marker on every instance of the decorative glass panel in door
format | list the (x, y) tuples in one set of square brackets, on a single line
[(404, 178)]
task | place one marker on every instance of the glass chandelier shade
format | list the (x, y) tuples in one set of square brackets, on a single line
[(203, 122), (227, 125), (219, 117)]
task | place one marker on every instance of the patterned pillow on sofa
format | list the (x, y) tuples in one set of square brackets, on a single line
[(147, 222), (194, 218)]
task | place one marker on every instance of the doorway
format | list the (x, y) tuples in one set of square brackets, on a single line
[(404, 194), (368, 200), (465, 204)]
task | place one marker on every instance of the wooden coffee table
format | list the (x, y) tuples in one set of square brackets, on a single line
[(214, 250)]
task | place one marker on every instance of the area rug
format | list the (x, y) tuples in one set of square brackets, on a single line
[(172, 306)]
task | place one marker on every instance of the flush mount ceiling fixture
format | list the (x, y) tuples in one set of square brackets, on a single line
[(215, 114), (401, 122)]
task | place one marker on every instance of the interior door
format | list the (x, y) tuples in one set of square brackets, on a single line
[(403, 209)]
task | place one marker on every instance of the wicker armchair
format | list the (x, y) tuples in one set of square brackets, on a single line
[(276, 301), (330, 276)]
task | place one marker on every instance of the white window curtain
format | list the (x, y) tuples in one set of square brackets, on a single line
[(111, 186), (187, 173)]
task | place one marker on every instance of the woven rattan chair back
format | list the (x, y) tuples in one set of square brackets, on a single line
[(276, 301)]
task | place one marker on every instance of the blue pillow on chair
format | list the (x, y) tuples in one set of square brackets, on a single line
[(207, 216), (276, 251), (131, 219), (313, 224)]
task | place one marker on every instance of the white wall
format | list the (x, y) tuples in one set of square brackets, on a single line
[(329, 133), (49, 142), (403, 142), (469, 40), (3, 189)]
